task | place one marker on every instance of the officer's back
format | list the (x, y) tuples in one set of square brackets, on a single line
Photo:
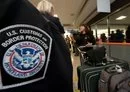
[(34, 58)]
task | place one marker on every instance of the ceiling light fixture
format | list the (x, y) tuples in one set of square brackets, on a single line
[(121, 17)]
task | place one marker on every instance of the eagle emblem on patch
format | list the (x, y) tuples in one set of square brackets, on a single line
[(24, 59)]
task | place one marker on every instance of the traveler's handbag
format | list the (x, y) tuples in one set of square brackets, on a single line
[(114, 79), (96, 56)]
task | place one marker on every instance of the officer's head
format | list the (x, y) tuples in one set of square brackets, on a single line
[(46, 7)]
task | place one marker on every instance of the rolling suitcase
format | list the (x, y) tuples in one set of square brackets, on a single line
[(89, 75)]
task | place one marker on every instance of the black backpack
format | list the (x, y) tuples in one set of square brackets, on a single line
[(96, 56)]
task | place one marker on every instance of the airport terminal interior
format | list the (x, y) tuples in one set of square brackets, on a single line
[(101, 63), (106, 19)]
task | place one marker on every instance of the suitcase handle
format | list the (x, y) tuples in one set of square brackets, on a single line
[(115, 68)]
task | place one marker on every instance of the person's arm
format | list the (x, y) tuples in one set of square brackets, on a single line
[(58, 23), (92, 40)]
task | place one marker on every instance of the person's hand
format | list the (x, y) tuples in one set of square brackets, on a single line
[(89, 45), (82, 46)]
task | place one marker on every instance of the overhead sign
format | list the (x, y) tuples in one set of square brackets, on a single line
[(103, 6)]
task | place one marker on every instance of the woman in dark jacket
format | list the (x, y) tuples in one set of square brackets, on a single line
[(85, 36)]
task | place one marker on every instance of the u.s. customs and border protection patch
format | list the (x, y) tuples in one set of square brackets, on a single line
[(24, 54)]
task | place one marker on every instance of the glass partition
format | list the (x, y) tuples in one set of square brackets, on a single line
[(119, 22), (114, 26), (101, 29)]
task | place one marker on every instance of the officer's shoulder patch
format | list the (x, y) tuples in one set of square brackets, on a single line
[(25, 52)]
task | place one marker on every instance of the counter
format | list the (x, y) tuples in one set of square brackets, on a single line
[(118, 50)]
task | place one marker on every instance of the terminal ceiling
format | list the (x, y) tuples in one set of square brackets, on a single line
[(73, 12)]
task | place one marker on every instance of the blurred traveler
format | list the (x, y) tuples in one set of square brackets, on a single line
[(75, 38), (128, 34), (103, 37), (112, 37), (67, 39), (119, 36)]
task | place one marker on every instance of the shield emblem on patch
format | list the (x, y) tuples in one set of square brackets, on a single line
[(25, 60)]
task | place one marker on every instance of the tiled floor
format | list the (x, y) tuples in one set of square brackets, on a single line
[(75, 62)]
